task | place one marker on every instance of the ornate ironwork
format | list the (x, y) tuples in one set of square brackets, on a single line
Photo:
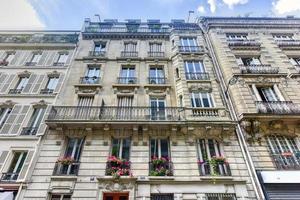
[(97, 53), (39, 38), (277, 107), (190, 49), (89, 80), (156, 54), (287, 162), (127, 80), (29, 131), (46, 91), (129, 54), (157, 80), (197, 76), (15, 91), (220, 169), (259, 69), (61, 169), (9, 177)]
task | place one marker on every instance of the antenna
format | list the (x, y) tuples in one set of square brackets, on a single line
[(97, 15), (190, 12)]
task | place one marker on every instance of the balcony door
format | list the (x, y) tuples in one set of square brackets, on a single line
[(127, 75), (115, 196), (156, 75), (158, 108), (124, 109)]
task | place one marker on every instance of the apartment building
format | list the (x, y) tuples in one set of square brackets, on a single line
[(141, 116), (33, 65), (258, 60)]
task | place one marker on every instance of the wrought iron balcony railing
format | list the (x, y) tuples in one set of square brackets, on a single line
[(30, 63), (99, 29), (161, 169), (59, 64), (29, 130), (277, 107), (190, 49), (157, 80), (97, 53), (156, 54), (70, 169), (89, 80), (115, 113), (46, 91), (127, 80), (15, 91), (112, 168), (9, 177), (259, 69), (129, 54), (241, 42), (219, 169), (288, 43), (197, 76), (287, 161)]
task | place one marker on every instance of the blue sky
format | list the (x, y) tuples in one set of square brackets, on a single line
[(69, 14)]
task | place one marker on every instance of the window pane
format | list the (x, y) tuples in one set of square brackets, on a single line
[(126, 149), (115, 147), (154, 148), (164, 148)]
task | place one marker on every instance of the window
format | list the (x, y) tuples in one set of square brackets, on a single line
[(84, 104), (127, 75), (130, 47), (295, 61), (35, 58), (124, 110), (9, 57), (121, 148), (125, 101), (74, 147), (99, 47), (248, 61), (285, 151), (155, 47), (34, 122), (159, 148), (188, 41), (219, 196), (85, 101), (162, 197), (15, 166), (158, 108), (60, 197), (62, 58), (283, 37), (240, 37), (4, 113), (20, 85), (156, 75), (51, 85), (132, 27), (92, 75), (202, 100), (194, 69), (267, 93)]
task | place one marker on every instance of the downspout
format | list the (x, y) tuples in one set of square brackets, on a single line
[(239, 132)]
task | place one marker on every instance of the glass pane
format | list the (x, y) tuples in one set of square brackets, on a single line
[(115, 147), (211, 147), (126, 149), (164, 148), (78, 149), (55, 197), (70, 146), (154, 148), (21, 162), (205, 100)]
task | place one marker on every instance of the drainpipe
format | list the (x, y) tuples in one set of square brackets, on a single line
[(239, 131)]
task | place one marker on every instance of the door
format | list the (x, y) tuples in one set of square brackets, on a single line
[(115, 196), (158, 110)]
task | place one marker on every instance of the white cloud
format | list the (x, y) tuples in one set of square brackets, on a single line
[(286, 6), (213, 5), (18, 14), (232, 3), (201, 9)]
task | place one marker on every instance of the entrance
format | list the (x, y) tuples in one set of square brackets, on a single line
[(115, 196)]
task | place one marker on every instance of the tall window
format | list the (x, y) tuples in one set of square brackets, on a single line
[(130, 47), (92, 75), (159, 148), (237, 37), (85, 101), (4, 113), (15, 166), (127, 75), (194, 69), (100, 47), (21, 85), (60, 197), (267, 93), (188, 41), (35, 58), (247, 61), (283, 37), (34, 122), (202, 100), (9, 57), (74, 148), (155, 47), (51, 85), (125, 101), (158, 108), (124, 110), (156, 75), (62, 58), (208, 148), (121, 148)]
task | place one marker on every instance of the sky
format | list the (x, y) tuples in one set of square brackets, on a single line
[(70, 14)]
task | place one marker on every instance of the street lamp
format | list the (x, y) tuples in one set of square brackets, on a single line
[(233, 80)]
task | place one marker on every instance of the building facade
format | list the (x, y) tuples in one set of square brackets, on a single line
[(33, 65), (258, 60)]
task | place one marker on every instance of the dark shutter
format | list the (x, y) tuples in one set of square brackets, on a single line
[(282, 191)]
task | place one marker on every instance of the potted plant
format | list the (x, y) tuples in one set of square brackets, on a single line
[(160, 167), (117, 167), (287, 154), (66, 160)]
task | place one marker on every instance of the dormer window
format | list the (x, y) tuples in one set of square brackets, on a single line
[(240, 37)]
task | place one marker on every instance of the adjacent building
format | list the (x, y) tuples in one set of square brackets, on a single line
[(258, 62)]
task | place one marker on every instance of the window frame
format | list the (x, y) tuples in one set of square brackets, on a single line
[(158, 147), (4, 114), (199, 95), (121, 147)]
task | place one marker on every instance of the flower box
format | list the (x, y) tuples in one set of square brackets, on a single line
[(66, 160), (117, 167)]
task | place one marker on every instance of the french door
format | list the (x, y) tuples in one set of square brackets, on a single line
[(115, 196), (158, 109)]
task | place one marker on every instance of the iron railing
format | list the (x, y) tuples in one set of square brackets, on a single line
[(15, 91), (219, 169), (46, 91), (9, 177), (99, 29), (59, 64), (97, 53), (277, 107), (115, 113), (190, 49), (197, 76), (89, 80), (29, 130), (286, 43), (286, 162), (243, 42), (259, 69), (157, 80), (163, 169), (127, 80), (156, 54), (30, 63), (71, 169), (129, 54), (111, 167)]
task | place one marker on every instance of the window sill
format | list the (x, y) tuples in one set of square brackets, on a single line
[(64, 178)]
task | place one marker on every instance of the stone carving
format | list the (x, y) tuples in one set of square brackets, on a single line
[(116, 185)]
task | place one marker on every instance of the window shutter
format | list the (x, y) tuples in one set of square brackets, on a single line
[(2, 158), (278, 93), (2, 54), (70, 54), (256, 61), (42, 60), (2, 79), (11, 119), (16, 58), (293, 61), (54, 58), (39, 83), (19, 119), (43, 125), (24, 57), (26, 165), (59, 83), (7, 83), (30, 83), (50, 60), (256, 93)]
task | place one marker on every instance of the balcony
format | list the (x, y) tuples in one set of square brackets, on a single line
[(97, 53), (156, 54), (30, 63), (117, 167), (127, 80), (277, 107), (288, 44), (258, 69), (243, 44), (9, 177), (197, 76), (157, 80), (219, 169), (46, 91), (190, 49), (96, 27), (114, 113), (203, 112), (15, 91), (29, 130), (129, 54), (89, 80), (70, 169), (287, 161), (160, 167)]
